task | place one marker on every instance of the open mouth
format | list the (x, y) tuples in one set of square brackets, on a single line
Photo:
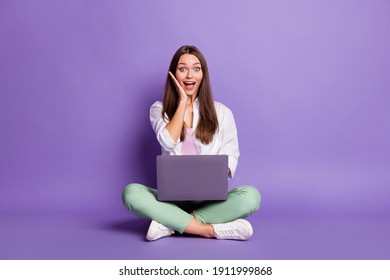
[(189, 85)]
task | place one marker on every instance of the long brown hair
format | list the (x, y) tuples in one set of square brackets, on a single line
[(208, 122)]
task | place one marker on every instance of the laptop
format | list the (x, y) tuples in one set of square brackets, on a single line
[(192, 177)]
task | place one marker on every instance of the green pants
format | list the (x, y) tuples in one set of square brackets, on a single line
[(142, 201)]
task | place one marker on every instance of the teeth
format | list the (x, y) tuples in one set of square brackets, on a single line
[(189, 83)]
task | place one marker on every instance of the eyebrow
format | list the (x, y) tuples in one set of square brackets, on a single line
[(186, 64)]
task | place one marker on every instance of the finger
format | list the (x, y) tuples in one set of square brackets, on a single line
[(178, 86), (174, 78)]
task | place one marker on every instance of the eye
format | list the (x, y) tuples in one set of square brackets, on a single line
[(196, 69), (182, 69)]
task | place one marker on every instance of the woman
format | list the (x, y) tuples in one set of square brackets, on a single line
[(188, 122)]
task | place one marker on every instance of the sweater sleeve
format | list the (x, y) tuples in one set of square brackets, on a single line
[(229, 140), (159, 126)]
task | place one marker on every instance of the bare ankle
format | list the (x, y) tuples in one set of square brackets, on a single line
[(198, 228), (209, 231)]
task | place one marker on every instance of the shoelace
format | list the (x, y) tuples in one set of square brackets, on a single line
[(228, 230), (164, 229)]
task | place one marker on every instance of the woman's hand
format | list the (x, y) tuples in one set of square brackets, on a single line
[(175, 125), (182, 94)]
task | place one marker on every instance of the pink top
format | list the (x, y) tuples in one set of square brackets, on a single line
[(188, 146)]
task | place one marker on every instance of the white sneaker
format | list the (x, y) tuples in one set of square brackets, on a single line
[(239, 229), (157, 231)]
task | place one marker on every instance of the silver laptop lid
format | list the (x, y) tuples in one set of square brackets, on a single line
[(192, 177)]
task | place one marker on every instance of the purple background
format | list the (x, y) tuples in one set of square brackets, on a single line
[(307, 81)]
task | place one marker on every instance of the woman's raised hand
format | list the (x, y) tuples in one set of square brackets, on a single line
[(182, 94)]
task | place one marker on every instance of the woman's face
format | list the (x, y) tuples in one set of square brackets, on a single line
[(189, 73)]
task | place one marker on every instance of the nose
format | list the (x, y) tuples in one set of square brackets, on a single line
[(189, 73)]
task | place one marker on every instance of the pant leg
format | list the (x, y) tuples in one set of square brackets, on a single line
[(142, 201), (241, 202)]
